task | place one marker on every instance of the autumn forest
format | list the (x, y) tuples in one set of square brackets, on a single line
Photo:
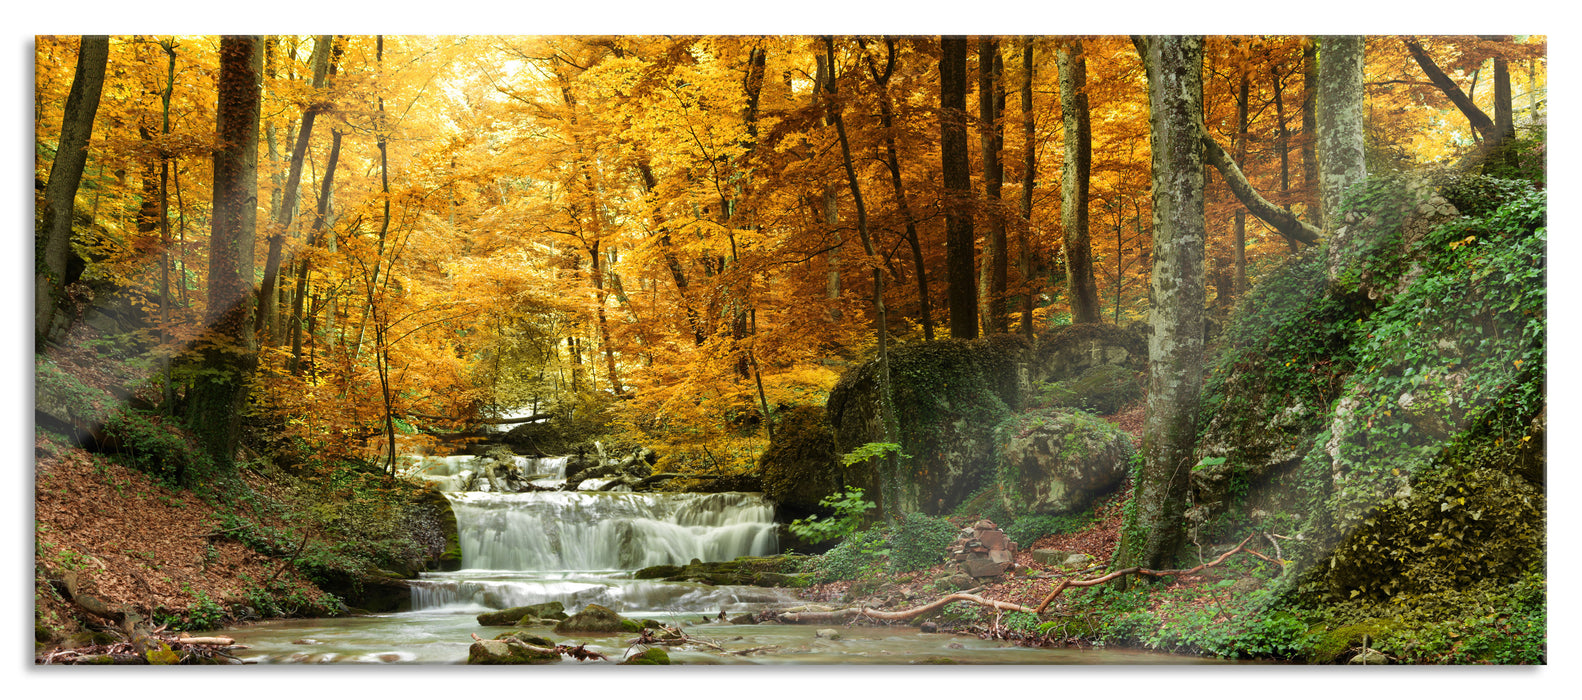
[(851, 273)]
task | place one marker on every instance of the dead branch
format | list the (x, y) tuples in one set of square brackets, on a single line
[(288, 560), (815, 617), (1139, 571)]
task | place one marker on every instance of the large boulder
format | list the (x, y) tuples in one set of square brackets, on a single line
[(1103, 389), (1068, 351), (594, 619), (508, 617), (436, 509), (800, 467), (1054, 462), (948, 395)]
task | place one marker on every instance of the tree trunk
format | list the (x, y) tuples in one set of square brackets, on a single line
[(880, 318), (52, 231), (266, 321), (960, 289), (1239, 280), (1282, 137), (1175, 350), (1029, 176), (1480, 122), (1284, 222), (1340, 119), (991, 135), (887, 122), (1082, 288), (319, 221), (1310, 182), (226, 355)]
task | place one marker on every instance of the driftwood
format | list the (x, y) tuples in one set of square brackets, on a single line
[(207, 641), (816, 617), (1140, 571), (131, 624)]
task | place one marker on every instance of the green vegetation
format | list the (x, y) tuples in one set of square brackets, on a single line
[(849, 507)]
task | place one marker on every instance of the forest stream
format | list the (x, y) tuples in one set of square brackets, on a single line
[(581, 547)]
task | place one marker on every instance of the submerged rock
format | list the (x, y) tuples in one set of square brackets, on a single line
[(509, 652), (594, 619), (653, 656)]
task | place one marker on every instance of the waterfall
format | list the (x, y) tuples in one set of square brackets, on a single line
[(589, 531)]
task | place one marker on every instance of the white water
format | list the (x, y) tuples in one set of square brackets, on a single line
[(579, 547)]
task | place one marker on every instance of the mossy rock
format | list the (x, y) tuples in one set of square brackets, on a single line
[(1054, 462), (511, 616), (503, 652), (1329, 646), (524, 637), (1068, 351), (653, 656), (1103, 389), (948, 395), (595, 619), (800, 467)]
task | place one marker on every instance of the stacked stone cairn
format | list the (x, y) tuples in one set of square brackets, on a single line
[(983, 550)]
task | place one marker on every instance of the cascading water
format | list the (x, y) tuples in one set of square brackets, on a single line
[(579, 547)]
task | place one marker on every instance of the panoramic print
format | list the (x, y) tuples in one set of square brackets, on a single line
[(705, 350)]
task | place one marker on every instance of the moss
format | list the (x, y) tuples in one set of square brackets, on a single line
[(800, 466), (1332, 646), (653, 656)]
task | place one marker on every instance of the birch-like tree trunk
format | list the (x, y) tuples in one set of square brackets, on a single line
[(1340, 119), (1175, 349)]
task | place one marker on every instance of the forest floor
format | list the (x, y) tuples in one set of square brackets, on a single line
[(143, 544), (1029, 582)]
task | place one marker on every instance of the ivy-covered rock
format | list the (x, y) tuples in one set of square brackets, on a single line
[(1054, 462), (800, 466), (948, 395), (1103, 389)]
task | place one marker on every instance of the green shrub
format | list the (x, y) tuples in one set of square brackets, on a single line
[(849, 509), (143, 441), (860, 555), (919, 541)]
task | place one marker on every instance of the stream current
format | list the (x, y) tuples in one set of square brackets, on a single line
[(580, 548)]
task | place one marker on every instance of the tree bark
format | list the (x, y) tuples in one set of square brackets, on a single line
[(319, 221), (991, 136), (961, 290), (52, 231), (1239, 278), (1284, 222), (1029, 176), (1082, 288), (1340, 120), (1480, 122), (1310, 183), (1153, 535), (226, 355)]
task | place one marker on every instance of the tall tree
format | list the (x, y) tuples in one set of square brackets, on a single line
[(1340, 109), (961, 290), (1175, 349), (887, 122), (1029, 176), (1082, 288), (267, 320), (226, 351), (1310, 183), (52, 230), (991, 133)]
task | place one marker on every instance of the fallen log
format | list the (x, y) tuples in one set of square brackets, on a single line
[(816, 617), (131, 624)]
